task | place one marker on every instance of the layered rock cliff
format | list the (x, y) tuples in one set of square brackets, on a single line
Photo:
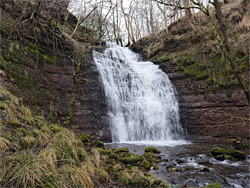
[(220, 113), (39, 63)]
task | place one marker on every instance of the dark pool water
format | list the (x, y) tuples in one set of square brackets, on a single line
[(189, 158)]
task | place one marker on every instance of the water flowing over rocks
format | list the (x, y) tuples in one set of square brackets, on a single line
[(141, 100)]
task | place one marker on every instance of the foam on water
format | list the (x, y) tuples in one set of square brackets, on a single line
[(170, 143)]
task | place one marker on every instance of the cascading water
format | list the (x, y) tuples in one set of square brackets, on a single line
[(141, 99)]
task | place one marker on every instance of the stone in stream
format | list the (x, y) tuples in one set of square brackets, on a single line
[(123, 150), (152, 150), (222, 153), (205, 169)]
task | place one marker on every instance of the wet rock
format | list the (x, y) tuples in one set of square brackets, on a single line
[(85, 138), (165, 160), (133, 159), (173, 170), (214, 185), (155, 167), (146, 164), (179, 161), (123, 150), (220, 153), (98, 144), (205, 169), (152, 150), (239, 144), (114, 150)]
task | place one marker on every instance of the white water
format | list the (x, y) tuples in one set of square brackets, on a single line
[(141, 99)]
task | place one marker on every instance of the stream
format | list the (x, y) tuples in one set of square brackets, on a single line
[(189, 158)]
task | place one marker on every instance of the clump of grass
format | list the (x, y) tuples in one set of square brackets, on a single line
[(27, 141), (65, 143), (4, 144), (73, 176), (23, 170), (43, 136)]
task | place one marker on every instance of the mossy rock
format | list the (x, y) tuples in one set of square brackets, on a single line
[(97, 144), (85, 138), (156, 158), (56, 128), (112, 155), (234, 153), (214, 185), (152, 150), (146, 164), (223, 157), (239, 144), (148, 156), (160, 183), (123, 150), (155, 167), (103, 151), (131, 159), (114, 150)]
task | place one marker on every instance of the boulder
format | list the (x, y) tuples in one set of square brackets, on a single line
[(233, 153)]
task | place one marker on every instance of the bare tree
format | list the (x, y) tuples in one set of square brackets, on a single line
[(220, 32)]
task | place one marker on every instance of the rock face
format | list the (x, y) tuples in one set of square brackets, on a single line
[(222, 113), (37, 64)]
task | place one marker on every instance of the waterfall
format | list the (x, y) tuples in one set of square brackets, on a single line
[(142, 104)]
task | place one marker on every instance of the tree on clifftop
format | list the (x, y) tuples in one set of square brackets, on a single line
[(219, 30)]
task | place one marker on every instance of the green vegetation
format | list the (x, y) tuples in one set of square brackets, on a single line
[(214, 185), (123, 150), (222, 153), (201, 51), (152, 150), (35, 153), (85, 138), (239, 144)]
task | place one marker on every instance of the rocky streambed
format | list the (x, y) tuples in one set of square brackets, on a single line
[(191, 163)]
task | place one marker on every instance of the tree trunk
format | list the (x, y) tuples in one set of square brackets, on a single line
[(187, 11)]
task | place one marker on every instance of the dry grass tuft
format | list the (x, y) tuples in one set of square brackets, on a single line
[(49, 156), (73, 176), (23, 170), (96, 158), (4, 144), (43, 136), (66, 143), (27, 141)]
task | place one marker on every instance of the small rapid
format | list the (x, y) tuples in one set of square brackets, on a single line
[(142, 104)]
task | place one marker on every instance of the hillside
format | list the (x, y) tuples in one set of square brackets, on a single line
[(35, 153), (53, 74), (209, 92), (50, 70)]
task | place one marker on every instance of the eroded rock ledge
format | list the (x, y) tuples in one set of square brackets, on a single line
[(221, 113)]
